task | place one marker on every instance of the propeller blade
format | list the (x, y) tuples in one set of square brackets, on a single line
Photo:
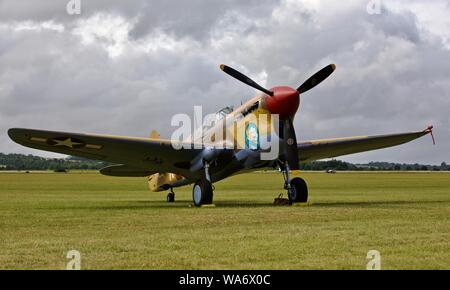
[(243, 78), (291, 149), (317, 78)]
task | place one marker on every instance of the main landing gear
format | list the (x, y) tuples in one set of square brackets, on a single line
[(202, 192), (296, 187), (298, 191)]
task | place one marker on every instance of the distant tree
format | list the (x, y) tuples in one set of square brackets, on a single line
[(30, 162)]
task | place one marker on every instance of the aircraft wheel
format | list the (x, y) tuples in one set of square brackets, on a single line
[(202, 193), (171, 197), (299, 190)]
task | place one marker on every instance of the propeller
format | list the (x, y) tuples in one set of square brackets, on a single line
[(317, 78), (245, 79), (310, 83), (282, 97)]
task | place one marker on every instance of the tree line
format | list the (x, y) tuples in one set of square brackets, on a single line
[(371, 166), (31, 162)]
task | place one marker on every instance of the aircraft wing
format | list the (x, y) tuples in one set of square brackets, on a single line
[(141, 156), (328, 148)]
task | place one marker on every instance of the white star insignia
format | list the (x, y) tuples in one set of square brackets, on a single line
[(68, 143)]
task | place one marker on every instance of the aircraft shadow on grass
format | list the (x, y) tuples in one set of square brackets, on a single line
[(143, 204), (376, 203)]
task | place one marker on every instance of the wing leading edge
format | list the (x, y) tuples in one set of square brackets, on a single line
[(328, 148)]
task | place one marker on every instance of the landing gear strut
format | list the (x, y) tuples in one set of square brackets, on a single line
[(171, 196), (296, 187), (202, 193)]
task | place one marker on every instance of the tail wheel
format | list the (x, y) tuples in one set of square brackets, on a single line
[(298, 191), (170, 197), (202, 193)]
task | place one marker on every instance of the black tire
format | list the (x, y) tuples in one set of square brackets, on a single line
[(202, 192), (171, 197), (299, 190)]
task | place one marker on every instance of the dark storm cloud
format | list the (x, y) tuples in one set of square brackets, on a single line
[(125, 67), (192, 18), (195, 18), (38, 10)]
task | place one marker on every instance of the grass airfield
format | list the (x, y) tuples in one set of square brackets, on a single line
[(116, 223)]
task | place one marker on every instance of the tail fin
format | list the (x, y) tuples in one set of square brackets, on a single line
[(155, 135)]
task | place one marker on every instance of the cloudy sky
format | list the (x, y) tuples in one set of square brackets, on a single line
[(125, 67)]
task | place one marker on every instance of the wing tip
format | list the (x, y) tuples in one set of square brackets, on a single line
[(15, 134), (429, 130), (11, 131)]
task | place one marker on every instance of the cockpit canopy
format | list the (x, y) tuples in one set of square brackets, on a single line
[(223, 113)]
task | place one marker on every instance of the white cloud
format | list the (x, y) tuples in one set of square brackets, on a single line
[(431, 16), (109, 31), (18, 26)]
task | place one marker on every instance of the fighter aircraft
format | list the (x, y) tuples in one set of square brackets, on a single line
[(200, 163)]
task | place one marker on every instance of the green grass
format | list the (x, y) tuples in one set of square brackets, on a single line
[(117, 223)]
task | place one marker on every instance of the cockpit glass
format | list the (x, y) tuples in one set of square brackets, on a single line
[(223, 113)]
